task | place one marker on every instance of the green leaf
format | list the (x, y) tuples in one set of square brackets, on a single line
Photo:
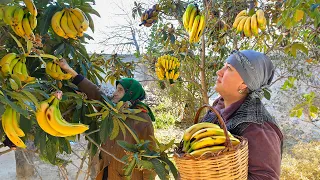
[(45, 20), (88, 9), (106, 128), (126, 146), (94, 114), (16, 40), (172, 167), (51, 151), (136, 118), (159, 168), (299, 46), (145, 164), (29, 46), (91, 23), (299, 112), (266, 94), (25, 124), (17, 108), (5, 2), (115, 129), (123, 129), (65, 145), (31, 97)]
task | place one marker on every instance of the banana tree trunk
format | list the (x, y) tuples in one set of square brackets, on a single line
[(24, 168)]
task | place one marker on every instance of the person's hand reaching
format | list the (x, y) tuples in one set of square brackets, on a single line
[(65, 66)]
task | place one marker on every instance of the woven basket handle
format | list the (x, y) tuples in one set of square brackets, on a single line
[(221, 122)]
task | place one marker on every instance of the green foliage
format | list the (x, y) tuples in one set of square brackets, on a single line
[(302, 163)]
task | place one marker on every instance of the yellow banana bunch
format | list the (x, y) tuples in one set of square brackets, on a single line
[(150, 16), (58, 123), (70, 23), (193, 22), (54, 70), (167, 67), (250, 25), (49, 118), (10, 124), (22, 23), (205, 137)]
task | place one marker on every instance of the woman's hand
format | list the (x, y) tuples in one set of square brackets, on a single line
[(65, 66)]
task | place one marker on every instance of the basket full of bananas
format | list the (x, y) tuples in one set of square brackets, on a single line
[(209, 151)]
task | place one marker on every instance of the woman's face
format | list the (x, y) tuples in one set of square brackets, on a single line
[(118, 94), (229, 81)]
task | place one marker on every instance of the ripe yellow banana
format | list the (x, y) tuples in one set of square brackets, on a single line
[(207, 132), (242, 13), (237, 21), (7, 58), (17, 16), (241, 24), (194, 128), (31, 7), (263, 25), (194, 29), (56, 121), (19, 30), (70, 22), (56, 26), (176, 75), (27, 28), (76, 21), (7, 125), (260, 16), (192, 17), (83, 18), (201, 27), (33, 21), (246, 27), (254, 25), (64, 25), (186, 16), (211, 141), (42, 119), (15, 123), (212, 149), (8, 14)]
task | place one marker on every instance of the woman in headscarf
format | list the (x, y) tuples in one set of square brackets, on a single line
[(240, 84), (132, 93)]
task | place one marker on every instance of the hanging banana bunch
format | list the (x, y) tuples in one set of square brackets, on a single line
[(250, 25), (21, 22), (54, 70), (10, 124), (70, 23), (194, 22), (50, 119), (167, 68), (204, 138), (13, 64), (150, 16)]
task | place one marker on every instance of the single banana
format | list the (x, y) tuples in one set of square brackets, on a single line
[(207, 132), (241, 24), (8, 58), (192, 18), (19, 30), (5, 69), (31, 7), (186, 16), (42, 119), (56, 121), (13, 63), (237, 21), (194, 128), (64, 25), (254, 25), (15, 123), (8, 14), (7, 125), (260, 16), (56, 26), (17, 16), (212, 149), (167, 75), (263, 25), (211, 141), (242, 13), (33, 21), (27, 28), (201, 27), (176, 75), (83, 18), (24, 71), (194, 29), (247, 27), (17, 70)]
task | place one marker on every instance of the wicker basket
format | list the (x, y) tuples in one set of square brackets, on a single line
[(227, 164)]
